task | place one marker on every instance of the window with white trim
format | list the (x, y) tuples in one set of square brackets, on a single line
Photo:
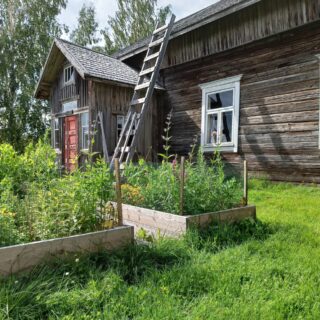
[(69, 105), (68, 75), (84, 120), (120, 124), (220, 114), (56, 134), (121, 120)]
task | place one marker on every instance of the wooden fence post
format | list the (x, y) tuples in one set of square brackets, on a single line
[(118, 191), (245, 183), (182, 173)]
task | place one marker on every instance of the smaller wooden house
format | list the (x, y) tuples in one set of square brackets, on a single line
[(80, 84)]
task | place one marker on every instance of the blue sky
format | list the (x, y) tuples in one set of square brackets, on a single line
[(105, 8)]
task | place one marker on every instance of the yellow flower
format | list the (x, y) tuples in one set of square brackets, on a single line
[(132, 194)]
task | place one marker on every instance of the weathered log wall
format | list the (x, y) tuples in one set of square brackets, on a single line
[(255, 22), (258, 21), (279, 104)]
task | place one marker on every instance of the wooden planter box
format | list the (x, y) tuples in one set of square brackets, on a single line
[(22, 257), (169, 224)]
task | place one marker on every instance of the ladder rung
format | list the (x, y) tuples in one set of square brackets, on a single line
[(156, 43), (142, 86), (138, 101), (147, 71), (152, 56), (160, 29)]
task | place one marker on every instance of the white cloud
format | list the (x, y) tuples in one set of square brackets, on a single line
[(106, 8)]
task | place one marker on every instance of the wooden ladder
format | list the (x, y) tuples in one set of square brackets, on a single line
[(143, 91)]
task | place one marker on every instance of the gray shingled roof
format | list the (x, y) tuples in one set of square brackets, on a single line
[(195, 20), (97, 65), (88, 63)]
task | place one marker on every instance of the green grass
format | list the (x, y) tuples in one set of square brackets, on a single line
[(267, 270)]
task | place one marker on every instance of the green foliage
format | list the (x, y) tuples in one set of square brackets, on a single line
[(206, 188), (134, 20), (65, 206), (264, 270), (27, 29), (85, 33), (37, 203), (37, 164)]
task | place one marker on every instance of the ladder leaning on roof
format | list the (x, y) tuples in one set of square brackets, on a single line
[(143, 93)]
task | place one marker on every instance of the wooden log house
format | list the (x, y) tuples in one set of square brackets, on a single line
[(240, 75)]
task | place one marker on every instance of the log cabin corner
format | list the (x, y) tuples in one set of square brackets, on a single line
[(241, 75)]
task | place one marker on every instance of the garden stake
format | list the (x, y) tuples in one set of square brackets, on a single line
[(182, 171), (245, 183), (118, 190)]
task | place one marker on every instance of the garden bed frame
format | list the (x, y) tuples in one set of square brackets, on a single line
[(23, 257), (168, 224)]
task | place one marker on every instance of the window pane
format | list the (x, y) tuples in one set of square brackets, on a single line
[(56, 136), (85, 119), (85, 130), (212, 129), (85, 138), (69, 106), (120, 124), (226, 127), (220, 100)]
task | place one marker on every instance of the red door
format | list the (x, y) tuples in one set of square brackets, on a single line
[(70, 142)]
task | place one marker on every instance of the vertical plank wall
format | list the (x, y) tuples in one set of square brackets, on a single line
[(114, 100)]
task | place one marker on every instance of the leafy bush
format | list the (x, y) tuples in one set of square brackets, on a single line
[(37, 203), (36, 164), (206, 187)]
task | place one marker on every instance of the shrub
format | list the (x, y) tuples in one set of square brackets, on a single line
[(69, 205), (206, 187), (37, 203), (9, 233)]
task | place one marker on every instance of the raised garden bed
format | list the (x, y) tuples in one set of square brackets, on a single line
[(22, 257), (168, 224)]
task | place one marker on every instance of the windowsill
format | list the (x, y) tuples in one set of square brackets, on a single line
[(231, 149), (71, 112)]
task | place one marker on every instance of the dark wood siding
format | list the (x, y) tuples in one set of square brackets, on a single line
[(61, 93), (115, 100), (258, 21), (279, 104)]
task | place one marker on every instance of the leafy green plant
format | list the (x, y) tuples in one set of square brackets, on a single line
[(37, 203), (206, 187)]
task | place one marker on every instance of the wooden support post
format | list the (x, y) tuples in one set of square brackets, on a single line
[(245, 183), (118, 191), (182, 173)]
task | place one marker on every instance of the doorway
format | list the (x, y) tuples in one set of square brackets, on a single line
[(71, 142)]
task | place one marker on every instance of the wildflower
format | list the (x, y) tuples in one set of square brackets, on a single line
[(66, 273), (77, 260), (174, 164)]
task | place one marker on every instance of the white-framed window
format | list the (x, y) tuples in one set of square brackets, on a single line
[(69, 105), (56, 134), (84, 120), (121, 120), (220, 114), (68, 75)]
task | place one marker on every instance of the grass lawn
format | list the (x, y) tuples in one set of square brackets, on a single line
[(268, 270)]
